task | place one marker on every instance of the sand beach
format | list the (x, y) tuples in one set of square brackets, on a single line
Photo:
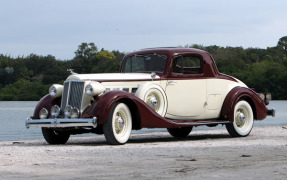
[(205, 154)]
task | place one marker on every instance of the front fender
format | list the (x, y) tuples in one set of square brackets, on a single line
[(147, 117), (242, 93), (46, 102)]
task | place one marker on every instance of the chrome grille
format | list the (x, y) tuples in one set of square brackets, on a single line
[(76, 94), (72, 94), (65, 95)]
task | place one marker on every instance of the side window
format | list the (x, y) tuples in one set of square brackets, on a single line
[(187, 64)]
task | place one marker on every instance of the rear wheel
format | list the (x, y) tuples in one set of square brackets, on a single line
[(118, 127), (53, 136), (242, 120), (179, 133)]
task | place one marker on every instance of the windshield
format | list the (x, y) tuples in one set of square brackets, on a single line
[(145, 63)]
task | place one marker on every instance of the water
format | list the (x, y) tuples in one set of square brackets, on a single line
[(14, 113)]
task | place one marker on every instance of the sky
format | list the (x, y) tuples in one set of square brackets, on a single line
[(58, 27)]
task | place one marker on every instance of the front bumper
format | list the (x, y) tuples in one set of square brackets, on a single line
[(89, 122)]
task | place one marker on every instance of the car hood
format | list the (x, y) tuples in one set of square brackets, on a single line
[(102, 77)]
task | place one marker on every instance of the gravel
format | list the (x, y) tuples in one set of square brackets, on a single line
[(204, 154)]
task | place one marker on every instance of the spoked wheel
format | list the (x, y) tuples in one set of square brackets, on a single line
[(179, 133), (242, 121), (53, 136), (118, 127)]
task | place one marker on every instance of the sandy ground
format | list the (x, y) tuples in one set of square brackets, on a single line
[(205, 154)]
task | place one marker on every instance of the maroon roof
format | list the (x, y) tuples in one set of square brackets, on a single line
[(209, 69)]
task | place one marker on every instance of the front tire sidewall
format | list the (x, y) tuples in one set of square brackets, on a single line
[(242, 130), (110, 127), (55, 137)]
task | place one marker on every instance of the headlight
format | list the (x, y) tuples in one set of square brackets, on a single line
[(67, 111), (75, 113), (94, 89), (55, 111), (56, 90), (43, 113)]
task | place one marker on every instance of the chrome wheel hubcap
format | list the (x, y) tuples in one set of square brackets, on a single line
[(153, 101), (119, 123), (240, 118)]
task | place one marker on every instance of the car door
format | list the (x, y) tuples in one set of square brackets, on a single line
[(186, 88)]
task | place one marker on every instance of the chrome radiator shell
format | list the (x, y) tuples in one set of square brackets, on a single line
[(73, 94)]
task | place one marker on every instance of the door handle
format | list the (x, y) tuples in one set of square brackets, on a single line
[(171, 82)]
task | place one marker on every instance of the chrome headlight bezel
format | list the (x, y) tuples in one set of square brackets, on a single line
[(43, 113), (56, 90), (55, 111), (94, 89), (67, 111), (75, 113), (89, 90)]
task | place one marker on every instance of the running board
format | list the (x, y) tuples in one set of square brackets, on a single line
[(198, 123)]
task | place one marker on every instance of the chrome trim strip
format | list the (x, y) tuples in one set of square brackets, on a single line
[(201, 122), (61, 122)]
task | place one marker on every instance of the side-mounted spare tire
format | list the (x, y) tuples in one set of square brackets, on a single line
[(154, 96)]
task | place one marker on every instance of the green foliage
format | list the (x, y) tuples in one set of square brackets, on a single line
[(28, 78), (282, 44), (23, 90), (106, 62)]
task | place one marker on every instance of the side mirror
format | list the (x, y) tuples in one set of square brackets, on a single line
[(153, 75)]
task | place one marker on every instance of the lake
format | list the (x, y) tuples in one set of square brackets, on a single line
[(14, 113)]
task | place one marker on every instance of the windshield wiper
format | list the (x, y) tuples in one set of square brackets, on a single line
[(159, 55), (142, 56)]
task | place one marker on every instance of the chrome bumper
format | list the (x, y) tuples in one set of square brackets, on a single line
[(91, 122), (271, 112)]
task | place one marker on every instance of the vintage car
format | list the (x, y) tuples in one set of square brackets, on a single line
[(173, 88)]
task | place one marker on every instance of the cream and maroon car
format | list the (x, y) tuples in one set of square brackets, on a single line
[(173, 88)]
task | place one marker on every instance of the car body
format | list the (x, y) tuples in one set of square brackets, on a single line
[(173, 88)]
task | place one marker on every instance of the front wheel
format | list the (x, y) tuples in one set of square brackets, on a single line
[(179, 133), (242, 120), (55, 137), (118, 127)]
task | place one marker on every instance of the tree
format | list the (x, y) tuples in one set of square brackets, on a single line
[(106, 62), (282, 44), (86, 50), (85, 58)]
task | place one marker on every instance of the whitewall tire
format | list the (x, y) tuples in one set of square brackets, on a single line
[(118, 127), (242, 120)]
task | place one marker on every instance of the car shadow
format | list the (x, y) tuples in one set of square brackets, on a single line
[(143, 139), (172, 139), (134, 139)]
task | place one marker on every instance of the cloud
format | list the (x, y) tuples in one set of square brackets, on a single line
[(58, 27)]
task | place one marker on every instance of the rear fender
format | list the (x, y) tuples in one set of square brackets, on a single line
[(243, 93)]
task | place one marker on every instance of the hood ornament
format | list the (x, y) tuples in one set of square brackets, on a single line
[(72, 71)]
